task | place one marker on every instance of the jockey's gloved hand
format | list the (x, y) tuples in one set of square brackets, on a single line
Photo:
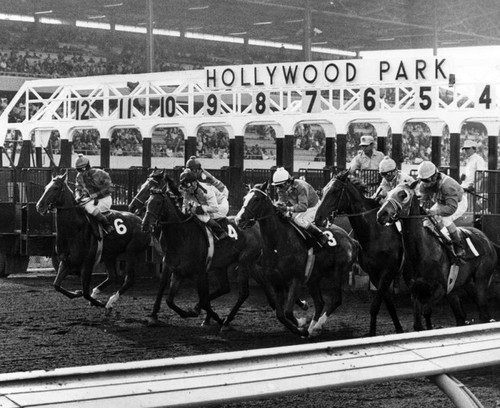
[(199, 210), (431, 212), (281, 207), (469, 189)]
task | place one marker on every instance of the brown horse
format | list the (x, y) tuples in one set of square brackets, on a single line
[(285, 259), (382, 255), (430, 262), (77, 243), (190, 253)]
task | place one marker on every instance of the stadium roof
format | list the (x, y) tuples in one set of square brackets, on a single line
[(349, 25)]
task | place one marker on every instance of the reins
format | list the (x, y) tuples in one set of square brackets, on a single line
[(252, 215)]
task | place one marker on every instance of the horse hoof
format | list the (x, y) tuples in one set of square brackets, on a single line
[(78, 293), (301, 322), (152, 322), (108, 311)]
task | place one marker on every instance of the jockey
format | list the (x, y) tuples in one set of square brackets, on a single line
[(447, 199), (368, 158), (204, 176), (300, 199), (391, 177), (93, 191), (204, 201)]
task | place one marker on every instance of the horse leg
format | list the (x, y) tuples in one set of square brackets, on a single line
[(417, 316), (223, 287), (127, 283), (175, 283), (335, 302), (479, 292), (383, 294), (280, 314), (292, 296), (204, 296), (86, 277), (319, 303), (62, 272), (457, 307), (243, 293), (110, 278), (164, 281)]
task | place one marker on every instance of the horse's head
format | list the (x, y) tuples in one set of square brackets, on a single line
[(53, 195), (160, 207), (154, 180), (256, 205), (154, 208), (397, 204), (341, 195)]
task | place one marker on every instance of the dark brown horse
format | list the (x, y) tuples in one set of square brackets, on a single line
[(285, 258), (382, 255), (77, 243), (429, 262), (191, 253)]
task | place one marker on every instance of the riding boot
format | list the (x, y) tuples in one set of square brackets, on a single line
[(108, 227), (217, 229), (318, 234), (457, 244)]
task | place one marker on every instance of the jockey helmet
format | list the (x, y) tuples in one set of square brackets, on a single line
[(280, 176), (386, 165), (81, 162), (187, 177), (193, 163), (426, 169)]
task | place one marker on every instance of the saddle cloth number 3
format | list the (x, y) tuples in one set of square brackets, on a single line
[(331, 239)]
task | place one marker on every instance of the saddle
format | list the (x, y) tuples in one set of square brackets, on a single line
[(95, 225), (471, 251)]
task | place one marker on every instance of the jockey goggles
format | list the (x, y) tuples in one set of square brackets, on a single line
[(387, 173)]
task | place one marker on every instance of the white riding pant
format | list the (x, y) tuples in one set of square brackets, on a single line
[(103, 205), (447, 221), (303, 219)]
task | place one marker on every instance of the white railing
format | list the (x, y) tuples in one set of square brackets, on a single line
[(246, 375)]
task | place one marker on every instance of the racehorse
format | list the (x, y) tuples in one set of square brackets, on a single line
[(78, 243), (191, 253), (285, 260), (382, 255), (429, 262)]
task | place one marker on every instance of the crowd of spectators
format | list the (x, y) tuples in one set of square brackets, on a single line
[(168, 142), (64, 51)]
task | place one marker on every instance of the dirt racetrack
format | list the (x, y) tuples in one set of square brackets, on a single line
[(42, 329)]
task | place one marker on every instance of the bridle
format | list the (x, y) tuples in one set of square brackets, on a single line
[(156, 216), (149, 180), (252, 217), (51, 206)]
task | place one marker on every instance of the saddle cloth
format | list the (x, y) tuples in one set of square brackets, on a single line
[(466, 238)]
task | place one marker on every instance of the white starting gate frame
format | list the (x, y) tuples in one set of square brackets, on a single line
[(333, 94)]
